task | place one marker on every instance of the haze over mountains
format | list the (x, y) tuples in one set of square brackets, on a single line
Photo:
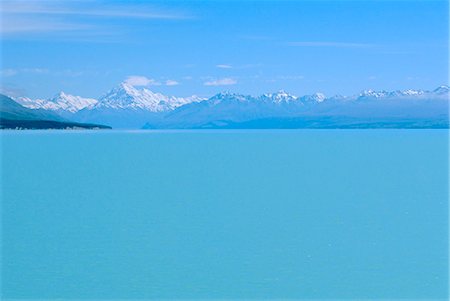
[(126, 106)]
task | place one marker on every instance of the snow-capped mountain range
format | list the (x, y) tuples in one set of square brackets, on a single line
[(129, 106), (438, 92), (124, 96), (60, 102)]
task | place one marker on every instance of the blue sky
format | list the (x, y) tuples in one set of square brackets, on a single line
[(204, 47)]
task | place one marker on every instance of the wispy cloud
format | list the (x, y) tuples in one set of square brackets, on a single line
[(171, 82), (330, 44), (11, 72), (141, 81), (35, 25), (88, 8), (224, 66), (8, 72), (230, 66), (221, 82), (291, 77), (336, 44), (42, 16), (35, 70)]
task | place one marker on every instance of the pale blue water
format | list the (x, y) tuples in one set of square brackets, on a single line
[(354, 214)]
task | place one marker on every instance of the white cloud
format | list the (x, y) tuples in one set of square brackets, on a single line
[(137, 80), (246, 66), (171, 82), (330, 44), (25, 16), (224, 66), (291, 77), (91, 8), (12, 72), (221, 82), (35, 70), (8, 72), (13, 25)]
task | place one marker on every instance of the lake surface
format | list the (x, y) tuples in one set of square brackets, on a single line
[(301, 214)]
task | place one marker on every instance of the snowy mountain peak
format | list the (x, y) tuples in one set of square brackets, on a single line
[(442, 90), (281, 93), (125, 86), (67, 102), (319, 97), (59, 102), (316, 97), (30, 103), (411, 92), (372, 93), (126, 96), (227, 96), (280, 97)]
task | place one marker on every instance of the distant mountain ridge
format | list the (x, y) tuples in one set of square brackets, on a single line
[(440, 91), (126, 106), (10, 109), (408, 109), (15, 116), (60, 102)]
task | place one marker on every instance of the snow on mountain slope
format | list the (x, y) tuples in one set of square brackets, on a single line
[(279, 97), (126, 106), (10, 109), (60, 102), (440, 92), (314, 98), (126, 96), (231, 107), (72, 103), (30, 103), (225, 109)]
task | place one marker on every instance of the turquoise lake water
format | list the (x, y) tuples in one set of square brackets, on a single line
[(328, 214)]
